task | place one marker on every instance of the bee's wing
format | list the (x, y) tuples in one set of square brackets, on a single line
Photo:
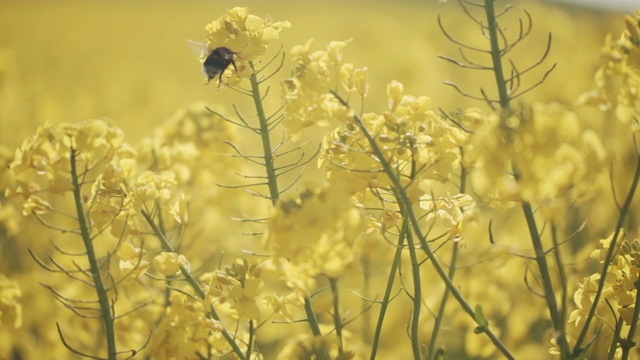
[(199, 48), (202, 51)]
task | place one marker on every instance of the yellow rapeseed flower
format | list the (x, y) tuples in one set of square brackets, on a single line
[(245, 34), (313, 234)]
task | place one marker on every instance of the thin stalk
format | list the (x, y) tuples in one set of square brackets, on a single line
[(103, 298), (415, 224), (614, 341), (311, 317), (315, 326), (452, 271), (496, 56), (387, 292), (563, 283), (605, 268), (417, 297), (250, 343), (336, 314), (366, 319), (443, 304), (628, 343), (543, 267), (269, 160)]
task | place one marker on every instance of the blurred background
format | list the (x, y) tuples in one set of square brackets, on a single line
[(72, 60), (129, 61)]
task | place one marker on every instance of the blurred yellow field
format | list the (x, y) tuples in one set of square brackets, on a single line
[(150, 214), (130, 62)]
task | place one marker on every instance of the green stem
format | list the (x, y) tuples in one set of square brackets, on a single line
[(103, 298), (250, 343), (628, 343), (387, 292), (269, 160), (566, 352), (417, 296), (315, 327), (614, 340), (415, 224), (336, 314), (496, 55), (443, 304), (195, 285), (366, 284), (543, 267), (452, 271), (605, 267), (311, 317)]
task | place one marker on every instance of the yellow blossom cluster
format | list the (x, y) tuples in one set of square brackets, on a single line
[(621, 283), (236, 289), (190, 144), (185, 332), (541, 155), (313, 234), (245, 34), (421, 147), (306, 94), (192, 148), (620, 69), (42, 163)]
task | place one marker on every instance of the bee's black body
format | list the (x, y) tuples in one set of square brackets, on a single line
[(217, 62)]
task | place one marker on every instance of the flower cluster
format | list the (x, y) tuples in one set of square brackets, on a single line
[(621, 284), (185, 331), (538, 156), (44, 158), (313, 234), (420, 146), (618, 77), (190, 144), (245, 34), (307, 95)]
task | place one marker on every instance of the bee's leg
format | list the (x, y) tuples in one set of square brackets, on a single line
[(234, 65), (220, 80)]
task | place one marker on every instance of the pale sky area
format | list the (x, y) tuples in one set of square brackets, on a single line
[(628, 6)]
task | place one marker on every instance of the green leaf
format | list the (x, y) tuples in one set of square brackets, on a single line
[(481, 320)]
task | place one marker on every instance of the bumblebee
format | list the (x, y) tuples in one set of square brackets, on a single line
[(217, 62)]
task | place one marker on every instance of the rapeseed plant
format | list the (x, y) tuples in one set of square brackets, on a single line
[(207, 239)]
